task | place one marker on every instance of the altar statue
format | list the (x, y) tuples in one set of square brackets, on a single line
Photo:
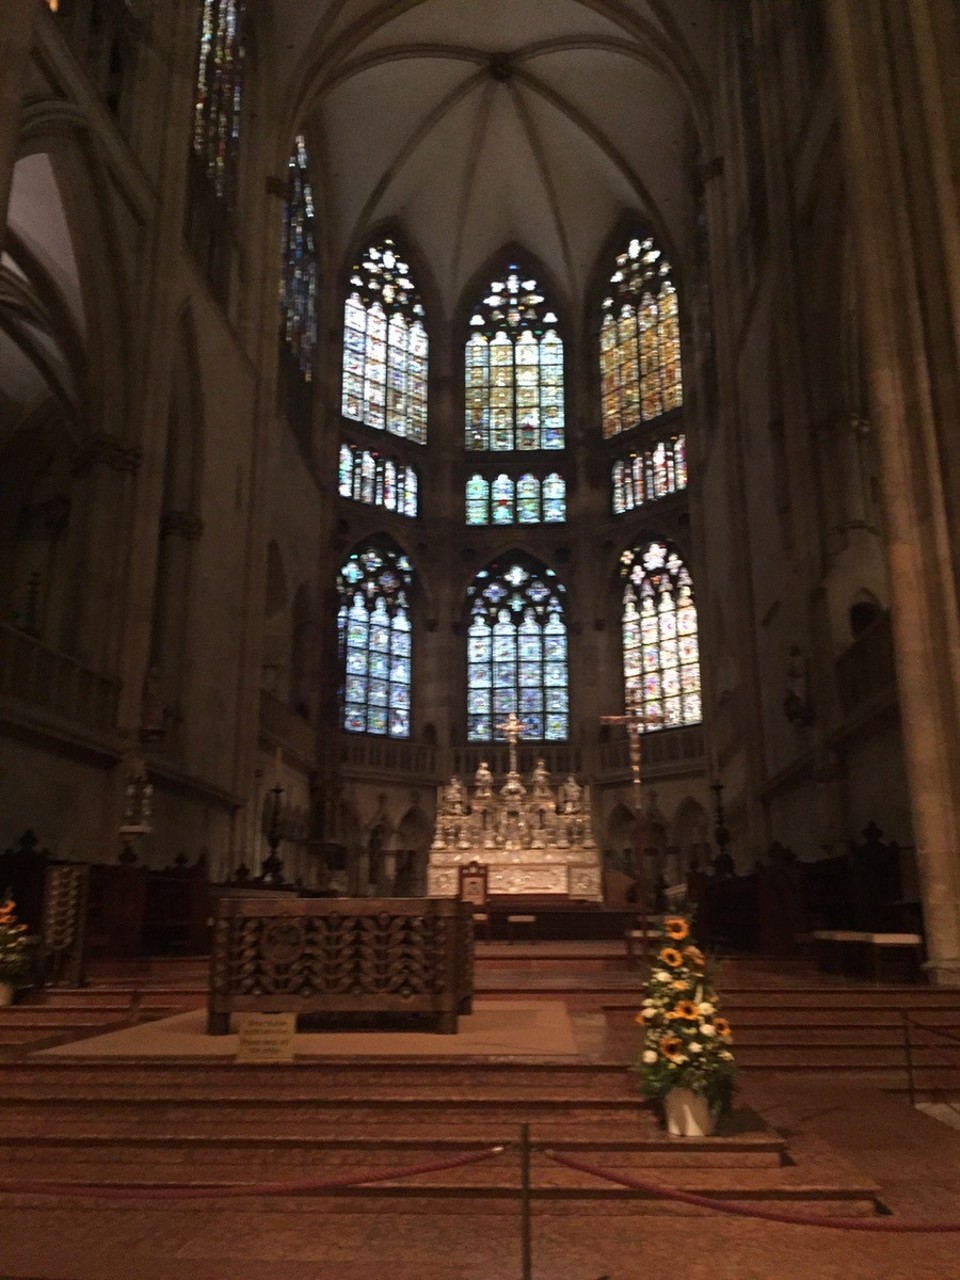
[(453, 796), (571, 796), (483, 782), (540, 781)]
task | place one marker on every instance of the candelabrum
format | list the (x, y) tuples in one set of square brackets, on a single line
[(271, 873)]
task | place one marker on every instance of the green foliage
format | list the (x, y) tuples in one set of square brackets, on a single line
[(686, 1041)]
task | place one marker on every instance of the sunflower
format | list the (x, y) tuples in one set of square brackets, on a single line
[(686, 1011), (695, 956), (723, 1027), (670, 1047), (672, 957), (676, 928), (679, 984)]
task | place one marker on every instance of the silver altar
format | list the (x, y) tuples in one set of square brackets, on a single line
[(532, 839)]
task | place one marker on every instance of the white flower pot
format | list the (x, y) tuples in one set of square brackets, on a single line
[(688, 1114), (6, 993)]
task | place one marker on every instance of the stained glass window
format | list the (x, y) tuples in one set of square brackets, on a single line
[(385, 347), (517, 652), (528, 501), (478, 501), (653, 473), (661, 656), (514, 369), (216, 113), (375, 648), (640, 375), (364, 475), (300, 280)]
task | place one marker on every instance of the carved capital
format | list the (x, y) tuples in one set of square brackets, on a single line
[(181, 524), (107, 451)]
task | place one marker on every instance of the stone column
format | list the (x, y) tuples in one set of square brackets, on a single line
[(896, 75), (16, 36)]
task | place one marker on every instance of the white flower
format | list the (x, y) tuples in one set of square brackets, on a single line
[(661, 975), (649, 1001), (707, 1008), (726, 1055), (650, 1057), (695, 1048), (708, 1029)]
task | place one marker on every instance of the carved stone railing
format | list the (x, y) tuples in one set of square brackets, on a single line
[(41, 678), (341, 955), (282, 726), (867, 671), (664, 752), (560, 758), (374, 757)]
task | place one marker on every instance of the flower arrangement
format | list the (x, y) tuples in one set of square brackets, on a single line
[(686, 1042), (13, 944)]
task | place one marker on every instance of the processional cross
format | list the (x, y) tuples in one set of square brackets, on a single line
[(635, 720), (512, 728)]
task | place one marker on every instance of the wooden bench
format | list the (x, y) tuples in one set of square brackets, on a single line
[(835, 947), (341, 955)]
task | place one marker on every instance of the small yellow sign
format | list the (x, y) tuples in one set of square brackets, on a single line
[(266, 1037)]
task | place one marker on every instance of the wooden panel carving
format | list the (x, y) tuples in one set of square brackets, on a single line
[(410, 955)]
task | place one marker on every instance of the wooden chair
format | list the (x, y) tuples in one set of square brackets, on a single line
[(473, 889)]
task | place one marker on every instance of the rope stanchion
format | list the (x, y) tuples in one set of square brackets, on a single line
[(92, 1190), (746, 1211)]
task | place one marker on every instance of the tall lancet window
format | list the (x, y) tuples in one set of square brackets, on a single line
[(300, 281), (385, 346), (640, 373), (517, 652), (661, 654), (219, 88), (514, 369), (375, 648)]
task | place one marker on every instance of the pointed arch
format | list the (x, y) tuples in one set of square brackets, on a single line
[(640, 372), (375, 635), (517, 650), (385, 345), (661, 656)]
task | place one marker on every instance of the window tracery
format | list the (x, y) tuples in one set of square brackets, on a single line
[(528, 501), (661, 655), (514, 369), (517, 653), (649, 474), (640, 372), (375, 642), (385, 346), (366, 476)]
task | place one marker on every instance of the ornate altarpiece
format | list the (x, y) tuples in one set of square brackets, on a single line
[(532, 839)]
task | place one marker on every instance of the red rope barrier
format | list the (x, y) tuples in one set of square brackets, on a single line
[(744, 1211), (92, 1190)]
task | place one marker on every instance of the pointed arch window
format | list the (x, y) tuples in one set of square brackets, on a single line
[(385, 346), (375, 642), (219, 92), (661, 655), (299, 285), (517, 652), (514, 369), (640, 374), (478, 501)]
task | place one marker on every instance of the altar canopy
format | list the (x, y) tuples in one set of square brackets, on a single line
[(533, 838)]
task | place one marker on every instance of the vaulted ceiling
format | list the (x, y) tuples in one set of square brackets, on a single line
[(477, 123)]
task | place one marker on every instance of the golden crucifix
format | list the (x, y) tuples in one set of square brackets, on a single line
[(511, 729), (635, 721)]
